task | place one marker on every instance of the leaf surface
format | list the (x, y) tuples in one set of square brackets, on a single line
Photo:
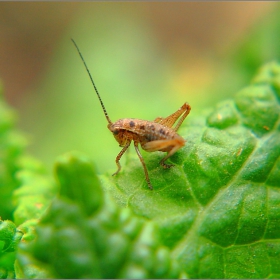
[(218, 209)]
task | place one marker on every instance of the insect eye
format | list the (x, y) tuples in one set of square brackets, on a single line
[(116, 131)]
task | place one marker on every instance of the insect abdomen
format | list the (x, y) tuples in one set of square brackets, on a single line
[(145, 129)]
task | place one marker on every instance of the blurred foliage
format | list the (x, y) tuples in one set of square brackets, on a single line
[(11, 149), (85, 235), (214, 215), (25, 191), (258, 47)]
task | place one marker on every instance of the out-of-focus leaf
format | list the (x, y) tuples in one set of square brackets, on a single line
[(35, 192), (12, 145), (85, 235), (9, 239)]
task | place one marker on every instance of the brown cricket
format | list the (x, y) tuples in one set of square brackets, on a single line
[(157, 135)]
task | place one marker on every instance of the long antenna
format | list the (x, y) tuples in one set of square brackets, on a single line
[(103, 107)]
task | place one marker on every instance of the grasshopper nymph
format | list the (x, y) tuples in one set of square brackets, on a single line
[(157, 135)]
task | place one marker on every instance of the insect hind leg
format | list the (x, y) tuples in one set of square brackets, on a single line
[(179, 116), (169, 146), (169, 154), (186, 108)]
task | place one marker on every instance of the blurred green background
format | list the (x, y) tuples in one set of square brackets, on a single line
[(147, 59)]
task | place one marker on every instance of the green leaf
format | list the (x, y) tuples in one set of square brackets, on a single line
[(218, 209), (14, 199), (12, 145), (35, 191), (86, 235), (9, 238), (25, 191)]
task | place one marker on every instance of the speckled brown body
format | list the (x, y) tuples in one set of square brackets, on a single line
[(142, 131)]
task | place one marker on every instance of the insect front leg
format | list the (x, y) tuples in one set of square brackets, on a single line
[(119, 157), (144, 165)]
